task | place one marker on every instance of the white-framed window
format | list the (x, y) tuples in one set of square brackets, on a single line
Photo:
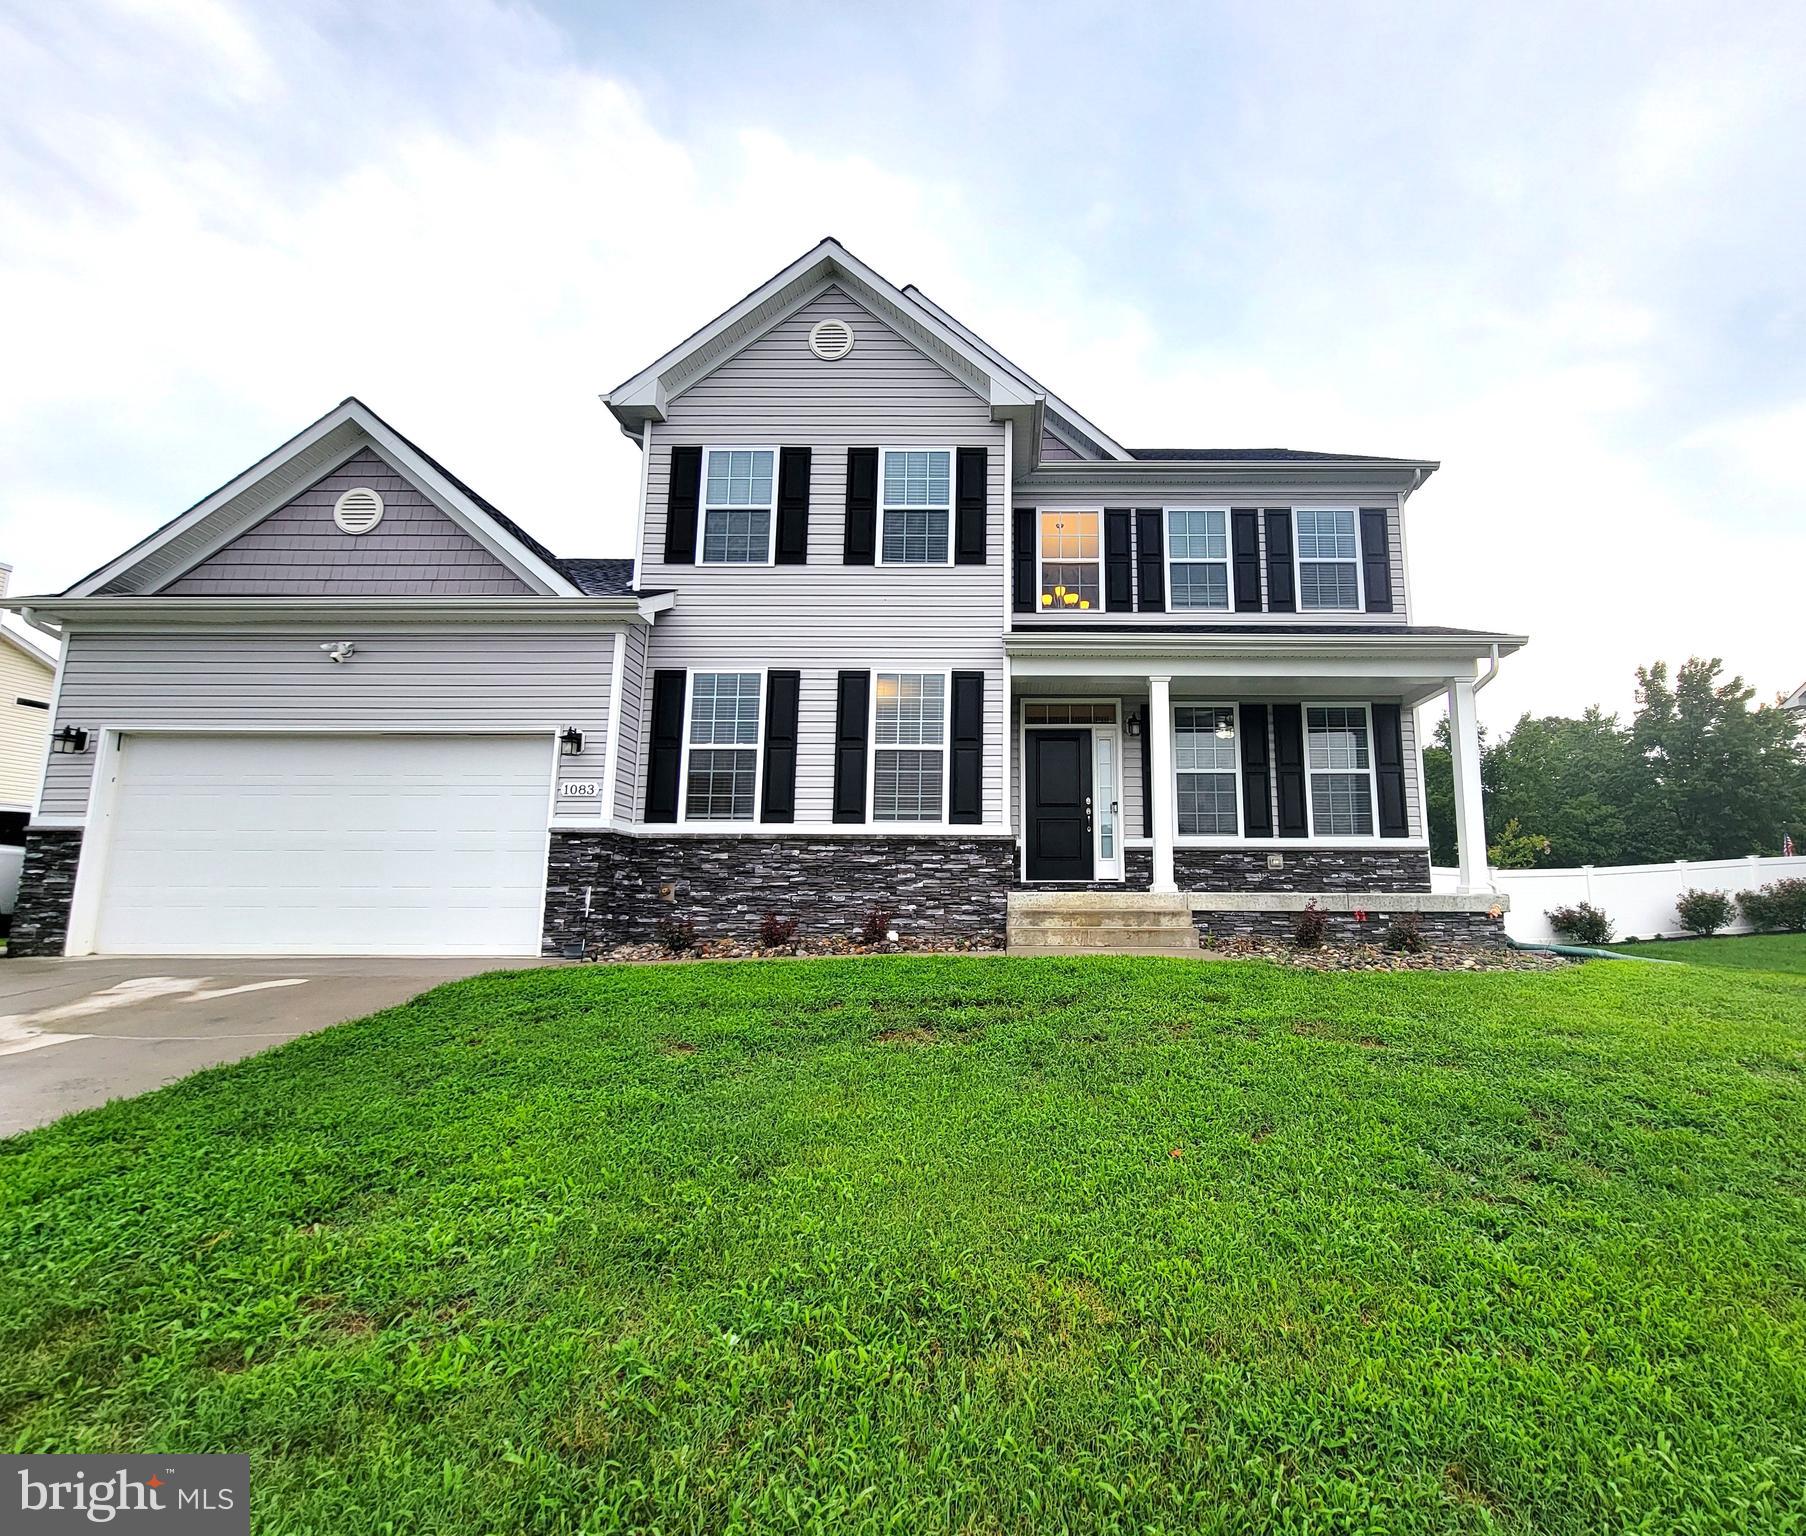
[(909, 746), (1328, 551), (1338, 757), (739, 505), (915, 506), (721, 746), (1197, 557), (1070, 553), (1207, 764)]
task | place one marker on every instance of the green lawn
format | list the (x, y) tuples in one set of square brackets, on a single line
[(953, 1244), (1744, 952)]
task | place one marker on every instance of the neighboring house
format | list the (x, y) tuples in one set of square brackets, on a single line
[(904, 630), (27, 676), (1796, 700)]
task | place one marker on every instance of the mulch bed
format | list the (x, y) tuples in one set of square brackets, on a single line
[(1370, 957), (1327, 957)]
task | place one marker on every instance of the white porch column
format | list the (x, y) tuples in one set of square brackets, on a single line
[(1159, 726), (1470, 810)]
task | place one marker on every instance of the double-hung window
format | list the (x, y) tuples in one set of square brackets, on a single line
[(1341, 768), (917, 510), (1071, 568), (739, 500), (1329, 561), (1197, 557), (909, 743), (1205, 755), (721, 775)]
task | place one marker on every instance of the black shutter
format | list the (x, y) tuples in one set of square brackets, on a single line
[(1257, 782), (970, 499), (1244, 550), (1288, 752), (793, 506), (1376, 559), (1279, 561), (1147, 772), (667, 755), (1389, 759), (1150, 562), (1119, 562), (966, 780), (1023, 558), (861, 546), (683, 493), (852, 708), (778, 801)]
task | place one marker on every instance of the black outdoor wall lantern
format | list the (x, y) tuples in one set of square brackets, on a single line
[(570, 741), (69, 738)]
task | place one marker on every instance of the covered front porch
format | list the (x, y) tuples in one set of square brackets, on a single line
[(1279, 764)]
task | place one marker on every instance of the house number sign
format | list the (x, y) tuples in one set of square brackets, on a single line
[(582, 789)]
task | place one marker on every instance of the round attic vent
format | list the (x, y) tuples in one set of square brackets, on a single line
[(358, 511), (831, 340)]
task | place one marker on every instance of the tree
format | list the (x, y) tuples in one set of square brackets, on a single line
[(1697, 774)]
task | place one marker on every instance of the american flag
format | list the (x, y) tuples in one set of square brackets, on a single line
[(1787, 845)]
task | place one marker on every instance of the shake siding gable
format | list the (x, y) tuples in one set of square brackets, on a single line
[(298, 551), (825, 616)]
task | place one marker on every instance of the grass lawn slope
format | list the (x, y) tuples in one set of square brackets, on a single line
[(1738, 952), (953, 1245)]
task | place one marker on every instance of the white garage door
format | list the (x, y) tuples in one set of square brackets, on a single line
[(326, 845)]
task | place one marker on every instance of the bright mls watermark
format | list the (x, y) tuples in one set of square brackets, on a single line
[(145, 1495)]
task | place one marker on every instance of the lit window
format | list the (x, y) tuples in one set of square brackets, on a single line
[(737, 506), (1204, 755), (723, 766), (1341, 770), (909, 746), (1327, 571), (918, 505), (1197, 547), (1071, 571)]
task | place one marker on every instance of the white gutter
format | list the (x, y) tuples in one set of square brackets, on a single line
[(628, 608), (1491, 672)]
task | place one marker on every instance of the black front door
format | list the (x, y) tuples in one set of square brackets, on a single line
[(1059, 805)]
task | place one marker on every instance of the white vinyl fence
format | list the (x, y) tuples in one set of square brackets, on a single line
[(1638, 898), (12, 860)]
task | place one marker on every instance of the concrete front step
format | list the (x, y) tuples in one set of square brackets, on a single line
[(1146, 917), (1120, 946)]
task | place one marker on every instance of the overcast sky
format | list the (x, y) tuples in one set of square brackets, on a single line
[(1560, 248)]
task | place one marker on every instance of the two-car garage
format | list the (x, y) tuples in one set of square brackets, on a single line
[(319, 843)]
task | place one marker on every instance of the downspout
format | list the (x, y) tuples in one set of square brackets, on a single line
[(1491, 672)]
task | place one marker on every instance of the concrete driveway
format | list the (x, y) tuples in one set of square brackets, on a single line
[(76, 1033)]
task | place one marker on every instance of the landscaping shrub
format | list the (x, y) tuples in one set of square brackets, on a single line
[(875, 927), (1781, 904), (1703, 912), (1312, 927), (1582, 923), (676, 934), (775, 931), (1405, 933)]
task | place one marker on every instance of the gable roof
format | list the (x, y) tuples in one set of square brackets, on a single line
[(192, 535), (28, 647), (1011, 394)]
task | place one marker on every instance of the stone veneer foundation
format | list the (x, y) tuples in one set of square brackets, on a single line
[(1302, 869), (46, 885), (603, 888), (1472, 928)]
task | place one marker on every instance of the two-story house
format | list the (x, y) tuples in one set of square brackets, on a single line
[(903, 630)]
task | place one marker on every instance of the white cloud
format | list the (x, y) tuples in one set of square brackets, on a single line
[(221, 222)]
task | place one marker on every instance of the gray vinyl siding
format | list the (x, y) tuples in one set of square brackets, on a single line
[(633, 704), (400, 679), (1133, 788), (824, 616), (1176, 497), (298, 551), (1054, 451)]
